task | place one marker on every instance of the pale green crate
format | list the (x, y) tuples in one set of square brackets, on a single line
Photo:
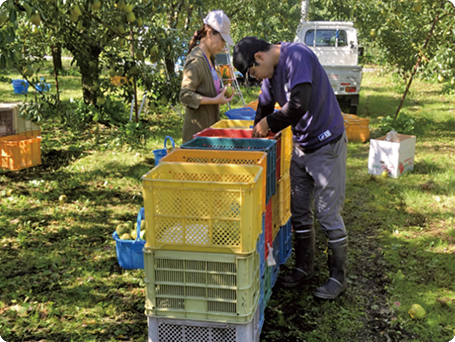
[(201, 286)]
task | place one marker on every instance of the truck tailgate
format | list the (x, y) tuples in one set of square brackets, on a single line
[(345, 80)]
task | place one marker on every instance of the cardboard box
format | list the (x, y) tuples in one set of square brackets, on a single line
[(394, 157)]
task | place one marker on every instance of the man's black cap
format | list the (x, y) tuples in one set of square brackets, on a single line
[(244, 52)]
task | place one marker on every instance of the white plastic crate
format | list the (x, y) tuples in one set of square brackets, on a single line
[(182, 330)]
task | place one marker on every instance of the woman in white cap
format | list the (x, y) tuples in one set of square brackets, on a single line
[(201, 91)]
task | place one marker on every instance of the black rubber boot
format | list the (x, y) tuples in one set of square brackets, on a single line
[(304, 258), (336, 284)]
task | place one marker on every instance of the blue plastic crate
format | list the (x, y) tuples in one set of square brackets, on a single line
[(262, 306), (267, 284), (260, 247), (20, 86), (275, 270), (129, 252), (44, 87), (285, 237), (231, 144), (245, 113)]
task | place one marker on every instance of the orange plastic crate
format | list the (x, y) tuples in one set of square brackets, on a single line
[(18, 152), (242, 129), (33, 134), (357, 129)]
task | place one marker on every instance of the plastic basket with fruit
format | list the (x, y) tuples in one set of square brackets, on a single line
[(130, 242)]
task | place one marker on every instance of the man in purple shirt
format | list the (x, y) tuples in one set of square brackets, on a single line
[(293, 77)]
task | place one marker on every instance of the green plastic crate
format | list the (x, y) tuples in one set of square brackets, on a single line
[(201, 286)]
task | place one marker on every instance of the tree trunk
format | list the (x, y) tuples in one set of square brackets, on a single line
[(57, 56), (304, 10), (88, 62), (89, 66)]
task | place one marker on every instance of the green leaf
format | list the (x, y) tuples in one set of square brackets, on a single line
[(12, 15)]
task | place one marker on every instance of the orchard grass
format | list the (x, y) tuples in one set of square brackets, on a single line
[(60, 280)]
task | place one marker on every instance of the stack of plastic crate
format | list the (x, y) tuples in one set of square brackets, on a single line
[(20, 141), (202, 268), (278, 208), (277, 239)]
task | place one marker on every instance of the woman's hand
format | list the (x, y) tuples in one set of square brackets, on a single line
[(221, 98)]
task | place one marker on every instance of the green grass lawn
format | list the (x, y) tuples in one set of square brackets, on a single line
[(60, 280)]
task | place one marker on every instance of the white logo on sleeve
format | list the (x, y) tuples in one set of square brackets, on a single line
[(287, 90), (324, 135)]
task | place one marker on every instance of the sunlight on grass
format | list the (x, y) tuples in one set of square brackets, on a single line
[(60, 257)]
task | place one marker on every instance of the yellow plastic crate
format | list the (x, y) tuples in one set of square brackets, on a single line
[(287, 144), (18, 152), (284, 195), (222, 157), (203, 207), (201, 286), (233, 124)]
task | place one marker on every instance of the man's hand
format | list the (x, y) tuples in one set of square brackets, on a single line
[(261, 130)]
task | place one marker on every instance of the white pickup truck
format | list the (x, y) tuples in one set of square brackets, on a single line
[(335, 43)]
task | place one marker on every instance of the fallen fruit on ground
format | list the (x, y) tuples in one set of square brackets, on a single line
[(416, 312), (63, 198)]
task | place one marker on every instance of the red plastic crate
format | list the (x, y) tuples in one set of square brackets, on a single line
[(268, 225)]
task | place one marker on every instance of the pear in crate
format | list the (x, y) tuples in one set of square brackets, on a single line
[(126, 236), (121, 229)]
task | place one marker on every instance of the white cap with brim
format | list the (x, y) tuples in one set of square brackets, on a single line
[(219, 21)]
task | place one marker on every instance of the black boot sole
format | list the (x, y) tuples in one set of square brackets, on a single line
[(288, 285), (323, 295)]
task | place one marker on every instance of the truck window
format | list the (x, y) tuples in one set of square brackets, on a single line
[(326, 38)]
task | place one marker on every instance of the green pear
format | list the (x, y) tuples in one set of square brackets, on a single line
[(35, 19), (121, 229), (120, 5), (121, 29), (128, 8), (229, 91), (96, 5), (126, 236), (130, 17), (77, 10), (27, 71)]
